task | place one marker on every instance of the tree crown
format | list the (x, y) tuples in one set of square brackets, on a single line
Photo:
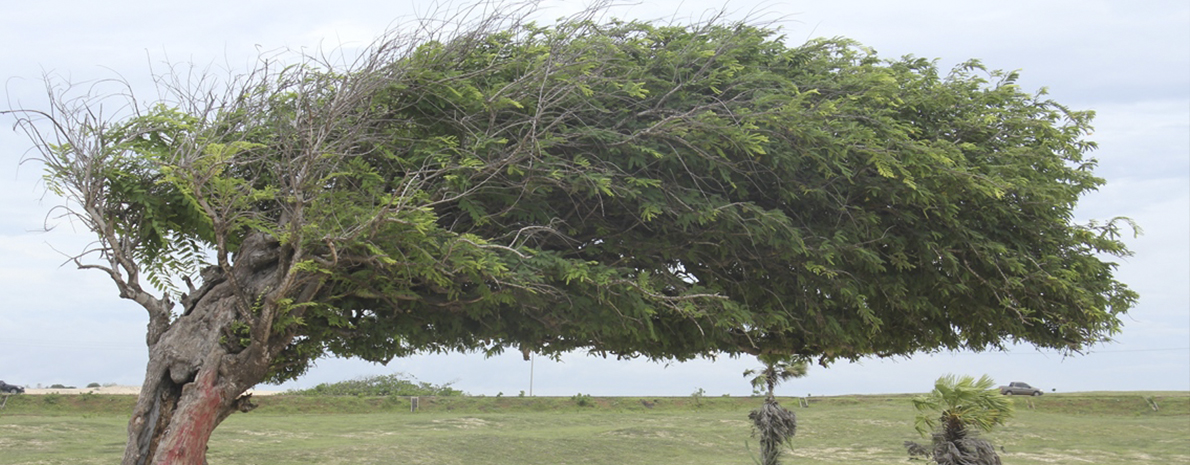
[(961, 402), (623, 187)]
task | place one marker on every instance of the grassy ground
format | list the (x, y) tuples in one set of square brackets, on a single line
[(1102, 428)]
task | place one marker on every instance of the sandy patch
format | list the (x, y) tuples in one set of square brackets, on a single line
[(462, 423), (856, 454), (119, 390), (1049, 457)]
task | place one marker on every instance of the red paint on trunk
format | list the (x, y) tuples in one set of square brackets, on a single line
[(192, 423)]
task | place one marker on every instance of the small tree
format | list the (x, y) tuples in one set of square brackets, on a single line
[(775, 425), (776, 369), (954, 412)]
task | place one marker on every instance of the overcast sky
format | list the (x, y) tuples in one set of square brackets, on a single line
[(1128, 61)]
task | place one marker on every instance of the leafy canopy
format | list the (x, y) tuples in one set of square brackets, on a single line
[(627, 188)]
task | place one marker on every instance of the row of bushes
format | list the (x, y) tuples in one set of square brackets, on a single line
[(63, 386), (397, 384)]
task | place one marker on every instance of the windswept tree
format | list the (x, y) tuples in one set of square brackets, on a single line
[(622, 188), (955, 412)]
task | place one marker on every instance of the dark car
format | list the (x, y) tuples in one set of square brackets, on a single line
[(11, 389), (1019, 389)]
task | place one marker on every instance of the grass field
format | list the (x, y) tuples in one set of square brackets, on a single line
[(1092, 428)]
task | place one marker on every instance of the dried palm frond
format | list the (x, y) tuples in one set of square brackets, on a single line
[(775, 425)]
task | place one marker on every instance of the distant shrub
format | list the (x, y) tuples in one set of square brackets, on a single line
[(397, 384), (93, 385), (583, 400), (59, 386)]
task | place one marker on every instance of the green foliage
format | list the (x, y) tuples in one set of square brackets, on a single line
[(955, 412), (397, 384), (623, 188), (960, 403), (840, 202), (134, 196), (776, 370), (582, 400)]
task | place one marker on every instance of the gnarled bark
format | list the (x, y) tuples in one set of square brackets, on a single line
[(199, 368)]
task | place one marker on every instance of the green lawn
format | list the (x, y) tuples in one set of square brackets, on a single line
[(1105, 429)]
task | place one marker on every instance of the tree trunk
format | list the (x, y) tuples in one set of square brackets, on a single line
[(201, 364), (966, 451), (775, 425)]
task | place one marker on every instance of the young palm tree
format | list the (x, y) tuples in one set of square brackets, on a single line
[(956, 410), (775, 424), (776, 370)]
